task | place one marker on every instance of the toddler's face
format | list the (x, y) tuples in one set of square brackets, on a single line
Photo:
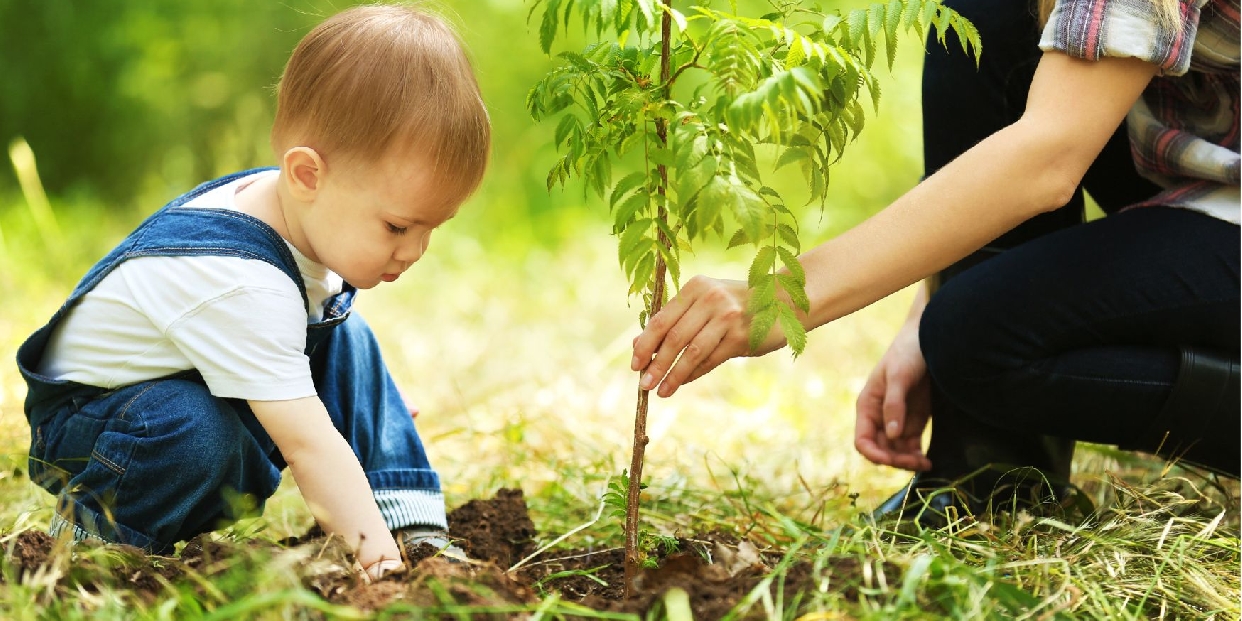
[(372, 222)]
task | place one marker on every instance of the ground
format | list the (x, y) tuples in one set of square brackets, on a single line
[(717, 571)]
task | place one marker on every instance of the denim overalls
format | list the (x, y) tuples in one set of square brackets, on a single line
[(161, 461)]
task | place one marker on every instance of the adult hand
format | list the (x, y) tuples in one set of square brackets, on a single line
[(895, 405), (706, 323)]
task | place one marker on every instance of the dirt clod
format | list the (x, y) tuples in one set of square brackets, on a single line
[(498, 530)]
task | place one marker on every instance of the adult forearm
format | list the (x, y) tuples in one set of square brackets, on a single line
[(1001, 182)]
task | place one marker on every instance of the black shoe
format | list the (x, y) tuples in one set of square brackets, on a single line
[(933, 501), (410, 539), (1200, 423)]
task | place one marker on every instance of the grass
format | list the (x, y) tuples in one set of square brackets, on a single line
[(519, 364)]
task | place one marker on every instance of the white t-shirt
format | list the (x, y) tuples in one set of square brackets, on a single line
[(239, 322)]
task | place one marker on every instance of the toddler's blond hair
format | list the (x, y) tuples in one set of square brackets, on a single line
[(376, 78)]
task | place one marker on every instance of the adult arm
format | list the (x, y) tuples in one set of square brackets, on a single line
[(1029, 167), (330, 478)]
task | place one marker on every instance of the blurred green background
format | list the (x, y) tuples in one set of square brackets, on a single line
[(128, 103)]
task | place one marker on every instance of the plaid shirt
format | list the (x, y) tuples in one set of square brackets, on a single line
[(1184, 128)]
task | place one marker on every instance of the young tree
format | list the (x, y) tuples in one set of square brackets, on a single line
[(678, 97)]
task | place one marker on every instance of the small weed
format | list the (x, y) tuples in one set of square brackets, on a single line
[(585, 573)]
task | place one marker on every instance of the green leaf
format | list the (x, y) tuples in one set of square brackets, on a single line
[(711, 200), (567, 124), (747, 207), (600, 175), (671, 262), (678, 18), (929, 14), (818, 183), (643, 273), (691, 152), (791, 155), (796, 54), (621, 19), (647, 10), (763, 264), (690, 181), (910, 15), (869, 49), (830, 23), (664, 228), (631, 239), (547, 28), (789, 236), (796, 291), (968, 36), (875, 19), (627, 184), (761, 323), (559, 172), (739, 238), (856, 21), (944, 19), (762, 295), (628, 209), (794, 331), (891, 23), (791, 263), (873, 88)]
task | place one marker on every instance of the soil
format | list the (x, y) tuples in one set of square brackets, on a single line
[(716, 570)]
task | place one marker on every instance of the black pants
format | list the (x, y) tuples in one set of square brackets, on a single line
[(1074, 330)]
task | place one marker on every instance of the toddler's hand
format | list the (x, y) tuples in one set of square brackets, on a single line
[(376, 570), (408, 404)]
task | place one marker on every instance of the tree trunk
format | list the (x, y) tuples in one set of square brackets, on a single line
[(657, 301)]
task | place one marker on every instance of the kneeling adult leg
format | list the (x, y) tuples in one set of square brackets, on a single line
[(1084, 334)]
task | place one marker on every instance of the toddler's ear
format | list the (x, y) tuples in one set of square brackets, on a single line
[(304, 170)]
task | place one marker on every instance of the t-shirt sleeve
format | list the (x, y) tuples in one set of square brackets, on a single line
[(1093, 29), (248, 344), (241, 323)]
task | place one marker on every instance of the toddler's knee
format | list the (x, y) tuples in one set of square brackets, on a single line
[(186, 420)]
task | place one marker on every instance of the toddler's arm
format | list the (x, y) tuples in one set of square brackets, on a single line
[(330, 477)]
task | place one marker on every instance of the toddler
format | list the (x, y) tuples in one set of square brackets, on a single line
[(215, 345)]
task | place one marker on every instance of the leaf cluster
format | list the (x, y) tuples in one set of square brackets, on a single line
[(790, 82)]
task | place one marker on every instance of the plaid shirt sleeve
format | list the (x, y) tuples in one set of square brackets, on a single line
[(1092, 29)]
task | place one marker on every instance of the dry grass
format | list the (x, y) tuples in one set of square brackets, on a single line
[(518, 361)]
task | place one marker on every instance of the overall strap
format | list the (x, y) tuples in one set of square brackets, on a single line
[(175, 230)]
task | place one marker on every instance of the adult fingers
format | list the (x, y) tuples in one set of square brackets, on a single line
[(869, 439), (714, 310), (717, 357), (894, 410), (879, 450), (693, 364), (914, 461), (654, 335), (688, 338), (706, 344)]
